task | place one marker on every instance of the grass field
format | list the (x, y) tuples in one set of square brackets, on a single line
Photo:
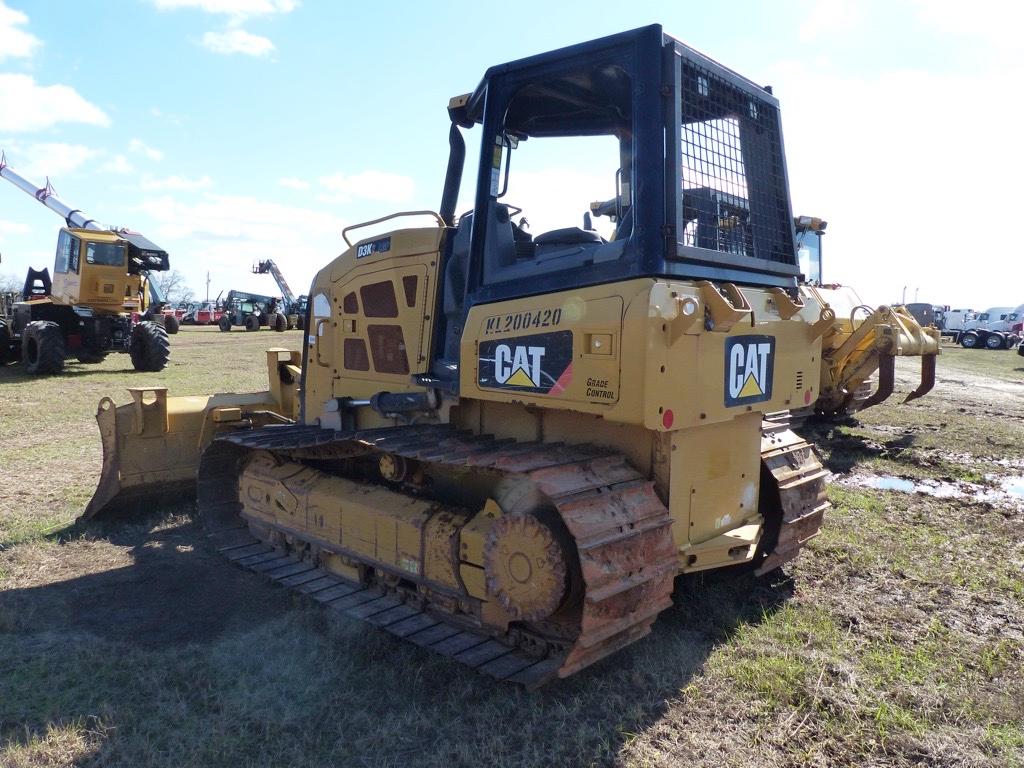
[(897, 639)]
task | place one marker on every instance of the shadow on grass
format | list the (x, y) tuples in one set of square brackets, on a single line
[(841, 451), (223, 668), (16, 373)]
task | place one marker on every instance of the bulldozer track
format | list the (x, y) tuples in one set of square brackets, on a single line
[(621, 530), (627, 558)]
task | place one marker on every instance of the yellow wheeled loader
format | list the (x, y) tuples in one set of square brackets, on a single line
[(505, 446)]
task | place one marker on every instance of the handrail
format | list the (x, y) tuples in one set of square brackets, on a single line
[(346, 230)]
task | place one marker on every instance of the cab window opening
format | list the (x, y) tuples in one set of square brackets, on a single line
[(561, 175)]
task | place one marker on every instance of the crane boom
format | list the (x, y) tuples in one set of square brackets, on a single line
[(149, 256), (268, 265), (45, 195)]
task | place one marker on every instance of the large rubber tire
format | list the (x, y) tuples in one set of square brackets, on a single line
[(42, 347), (224, 323), (995, 341), (171, 324), (969, 340), (280, 323), (252, 323), (149, 347), (5, 343)]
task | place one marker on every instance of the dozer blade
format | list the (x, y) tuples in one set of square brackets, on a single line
[(152, 445), (927, 378), (886, 380)]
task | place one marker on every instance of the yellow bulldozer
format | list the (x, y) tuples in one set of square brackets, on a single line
[(506, 446)]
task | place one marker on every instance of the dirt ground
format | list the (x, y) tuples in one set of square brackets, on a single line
[(897, 639)]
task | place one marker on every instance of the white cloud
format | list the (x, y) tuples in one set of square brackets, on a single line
[(827, 18), (15, 43), (177, 183), (39, 160), (29, 106), (292, 183), (238, 41), (990, 22), (140, 147), (225, 234), (368, 185), (13, 228), (236, 9), (237, 217), (118, 164)]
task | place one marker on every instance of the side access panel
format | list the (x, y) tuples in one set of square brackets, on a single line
[(372, 316), (564, 347)]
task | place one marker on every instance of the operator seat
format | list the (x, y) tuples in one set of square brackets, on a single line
[(568, 236), (37, 284)]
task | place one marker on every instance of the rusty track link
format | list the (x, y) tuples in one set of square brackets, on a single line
[(800, 481), (621, 530)]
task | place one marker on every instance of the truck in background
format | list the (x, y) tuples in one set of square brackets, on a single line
[(992, 329)]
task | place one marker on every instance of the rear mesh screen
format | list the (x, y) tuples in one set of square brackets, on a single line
[(733, 175)]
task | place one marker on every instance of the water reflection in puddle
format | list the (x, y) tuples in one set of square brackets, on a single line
[(1011, 485), (935, 488), (1006, 488)]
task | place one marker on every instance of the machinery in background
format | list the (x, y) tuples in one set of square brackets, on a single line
[(995, 328), (505, 446), (923, 313), (86, 310), (954, 321), (294, 308), (251, 311), (203, 313), (858, 340)]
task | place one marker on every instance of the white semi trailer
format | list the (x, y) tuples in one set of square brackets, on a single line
[(992, 329)]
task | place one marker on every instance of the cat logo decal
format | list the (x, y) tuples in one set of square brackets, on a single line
[(749, 369)]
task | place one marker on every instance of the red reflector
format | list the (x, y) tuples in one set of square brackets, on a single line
[(667, 418)]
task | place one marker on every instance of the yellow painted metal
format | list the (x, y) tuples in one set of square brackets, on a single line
[(858, 337), (650, 373), (152, 444), (649, 359), (346, 517), (371, 320), (714, 488), (512, 561), (104, 288), (672, 361)]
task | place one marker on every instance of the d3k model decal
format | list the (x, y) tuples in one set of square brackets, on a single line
[(540, 363), (749, 369)]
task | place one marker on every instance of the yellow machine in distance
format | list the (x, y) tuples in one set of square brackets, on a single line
[(861, 340), (505, 446), (100, 280)]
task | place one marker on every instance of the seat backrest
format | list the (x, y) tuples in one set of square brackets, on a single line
[(38, 283)]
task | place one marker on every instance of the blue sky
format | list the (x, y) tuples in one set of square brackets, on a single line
[(232, 130)]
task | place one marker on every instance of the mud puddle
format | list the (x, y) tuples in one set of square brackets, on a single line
[(1002, 489)]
